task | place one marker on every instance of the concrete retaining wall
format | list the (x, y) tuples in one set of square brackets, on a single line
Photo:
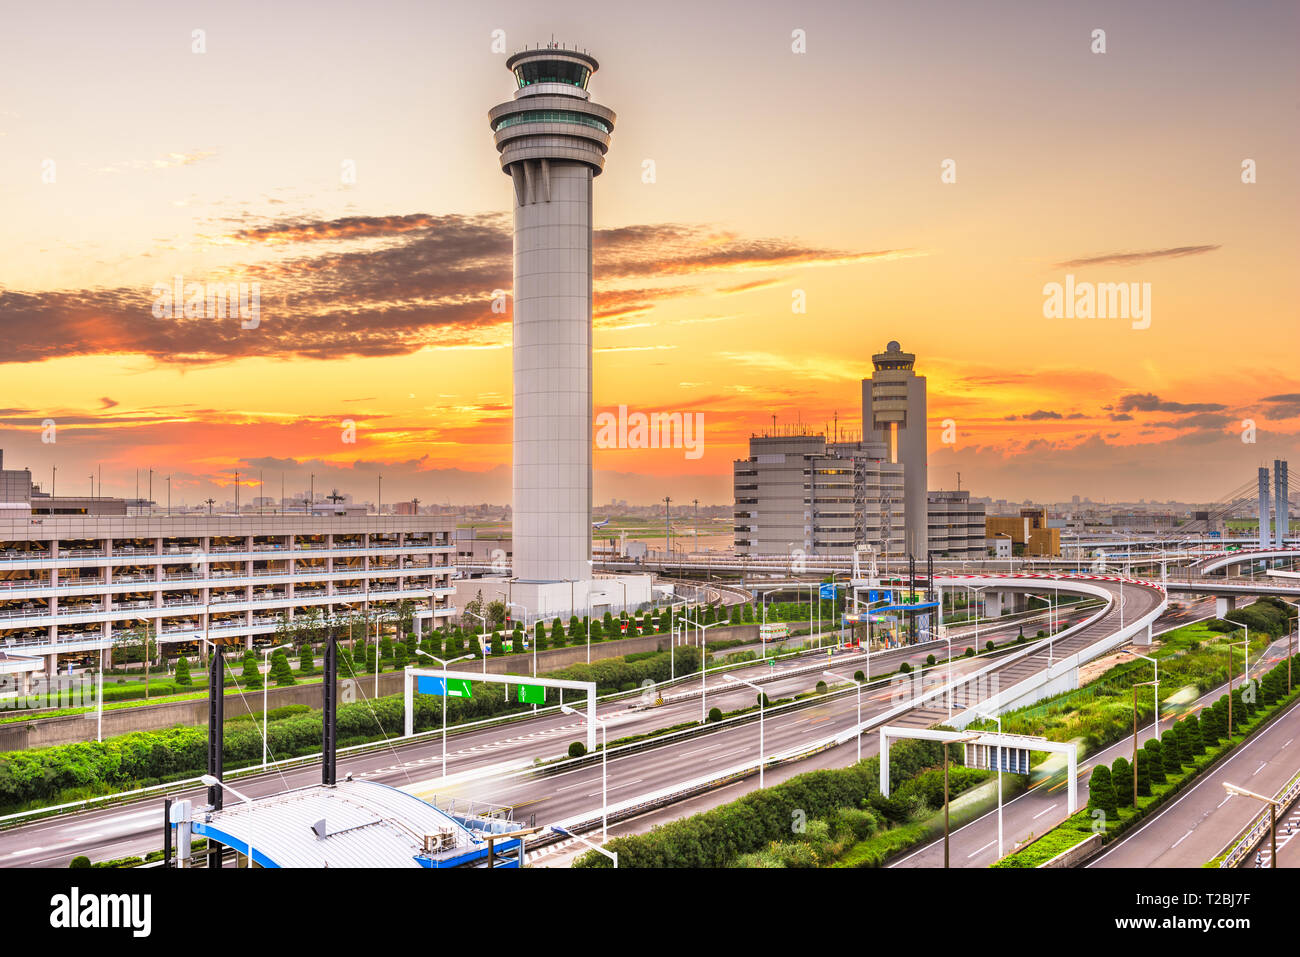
[(44, 732), (1076, 855)]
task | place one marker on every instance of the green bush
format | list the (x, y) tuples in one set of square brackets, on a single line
[(182, 676), (1101, 792), (577, 749), (970, 652), (821, 687), (904, 668), (989, 646), (1121, 777), (715, 714), (81, 860)]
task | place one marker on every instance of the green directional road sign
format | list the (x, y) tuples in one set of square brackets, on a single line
[(532, 694), (460, 688)]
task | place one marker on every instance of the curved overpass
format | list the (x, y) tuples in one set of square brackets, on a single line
[(1228, 559)]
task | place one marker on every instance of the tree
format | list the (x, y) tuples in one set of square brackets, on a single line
[(1101, 792), (496, 615), (399, 657), (1152, 761), (182, 676), (306, 664), (281, 671), (557, 634), (539, 633), (1144, 775), (252, 677), (1121, 776), (749, 613), (1194, 741)]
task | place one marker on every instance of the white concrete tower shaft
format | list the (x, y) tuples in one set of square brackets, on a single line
[(552, 141)]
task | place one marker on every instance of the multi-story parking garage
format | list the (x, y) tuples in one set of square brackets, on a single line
[(70, 586)]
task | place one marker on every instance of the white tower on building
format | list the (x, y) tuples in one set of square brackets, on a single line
[(893, 412), (552, 141)]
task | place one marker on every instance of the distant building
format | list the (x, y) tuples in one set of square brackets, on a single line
[(799, 492), (956, 525), (1031, 530)]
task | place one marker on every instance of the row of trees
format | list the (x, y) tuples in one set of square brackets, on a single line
[(1179, 747)]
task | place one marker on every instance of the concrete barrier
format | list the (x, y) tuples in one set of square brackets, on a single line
[(1074, 856)]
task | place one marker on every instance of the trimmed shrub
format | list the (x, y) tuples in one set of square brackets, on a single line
[(1101, 792), (182, 676), (715, 714), (81, 860), (1151, 759), (577, 749), (821, 687), (1121, 778)]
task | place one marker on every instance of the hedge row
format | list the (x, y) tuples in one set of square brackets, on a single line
[(43, 775), (715, 838)]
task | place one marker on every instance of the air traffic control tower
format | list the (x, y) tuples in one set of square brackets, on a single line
[(552, 141)]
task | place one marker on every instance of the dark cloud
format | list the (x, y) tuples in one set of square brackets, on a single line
[(1128, 259), (374, 286), (1286, 405), (1150, 402)]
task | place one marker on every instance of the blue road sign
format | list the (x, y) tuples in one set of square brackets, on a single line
[(827, 591)]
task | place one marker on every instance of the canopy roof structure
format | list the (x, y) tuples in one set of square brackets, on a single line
[(365, 824)]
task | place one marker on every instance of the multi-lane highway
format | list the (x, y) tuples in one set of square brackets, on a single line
[(482, 764)]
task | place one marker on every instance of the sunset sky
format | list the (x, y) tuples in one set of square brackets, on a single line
[(774, 172)]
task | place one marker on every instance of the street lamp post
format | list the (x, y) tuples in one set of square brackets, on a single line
[(761, 758), (704, 664), (1140, 684), (998, 719), (1155, 664), (1245, 667), (969, 737), (266, 662), (1273, 805), (515, 604), (445, 697), (837, 677), (604, 767), (482, 642), (215, 782)]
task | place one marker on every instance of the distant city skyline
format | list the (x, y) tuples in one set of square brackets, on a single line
[(310, 149)]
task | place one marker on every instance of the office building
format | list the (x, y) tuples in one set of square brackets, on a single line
[(956, 525), (800, 493)]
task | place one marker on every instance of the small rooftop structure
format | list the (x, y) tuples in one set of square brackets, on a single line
[(349, 824)]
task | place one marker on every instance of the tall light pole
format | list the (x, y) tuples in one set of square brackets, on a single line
[(604, 767), (1245, 668), (831, 674), (215, 782), (1140, 684), (998, 719), (1273, 805), (704, 664), (266, 662), (969, 737), (445, 697), (1155, 664), (515, 604), (482, 644), (761, 754)]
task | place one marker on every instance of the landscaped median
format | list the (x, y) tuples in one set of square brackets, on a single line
[(1165, 767), (835, 817)]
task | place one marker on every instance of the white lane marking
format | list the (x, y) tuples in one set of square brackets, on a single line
[(984, 848), (616, 787), (1183, 838), (1262, 766), (1224, 801), (1044, 811)]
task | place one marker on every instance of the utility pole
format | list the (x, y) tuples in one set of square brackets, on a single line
[(696, 503), (54, 474), (379, 509), (668, 548), (236, 493)]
